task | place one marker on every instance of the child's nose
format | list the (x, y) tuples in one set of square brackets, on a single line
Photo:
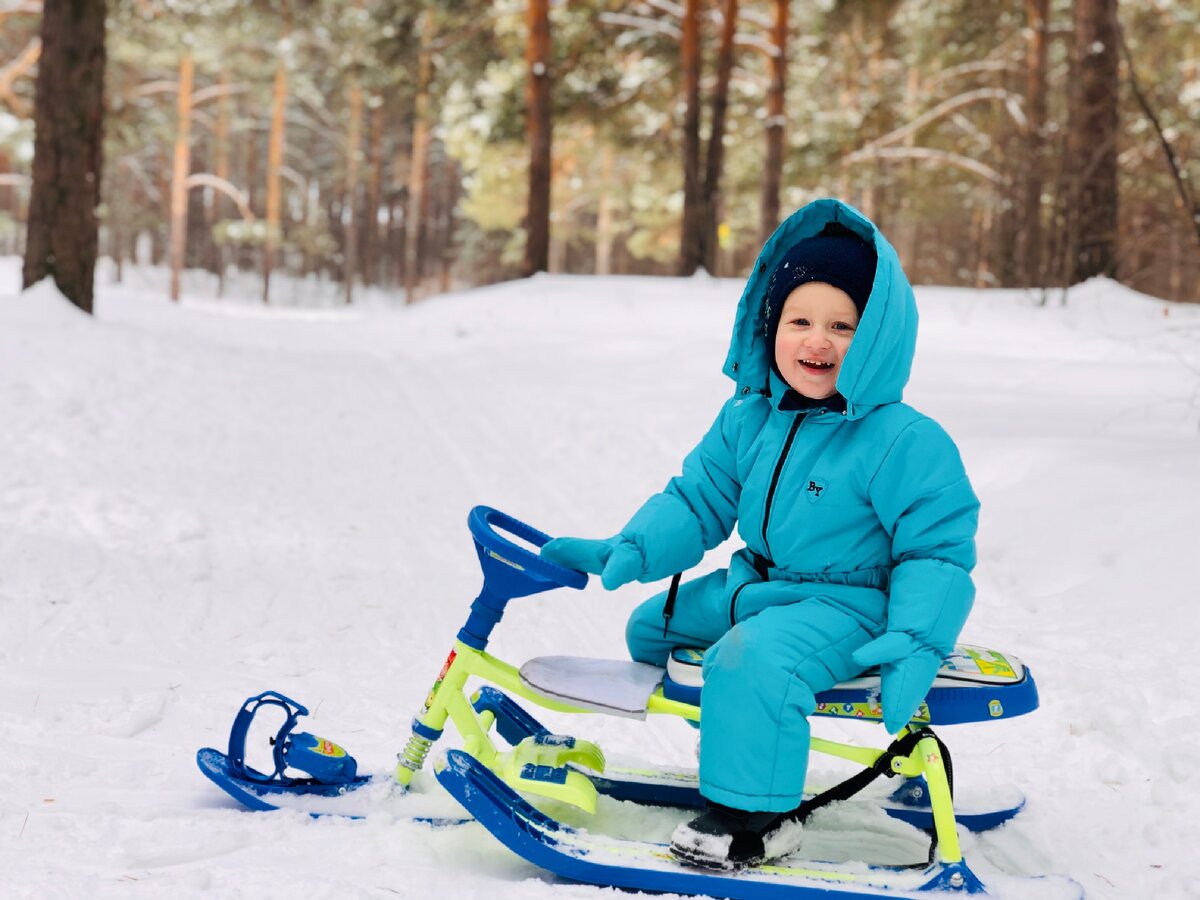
[(817, 339)]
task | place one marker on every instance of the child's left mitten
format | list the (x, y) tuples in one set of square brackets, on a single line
[(907, 670)]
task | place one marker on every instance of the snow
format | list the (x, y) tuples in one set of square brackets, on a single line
[(203, 501)]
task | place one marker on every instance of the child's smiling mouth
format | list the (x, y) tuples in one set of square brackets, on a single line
[(816, 365)]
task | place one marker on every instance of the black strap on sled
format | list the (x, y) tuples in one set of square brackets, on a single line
[(898, 749), (669, 606)]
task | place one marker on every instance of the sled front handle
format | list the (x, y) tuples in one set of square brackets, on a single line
[(509, 571), (519, 565)]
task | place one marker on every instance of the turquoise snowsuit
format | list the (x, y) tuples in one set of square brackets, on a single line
[(858, 525)]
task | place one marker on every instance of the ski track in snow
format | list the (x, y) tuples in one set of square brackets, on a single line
[(202, 501)]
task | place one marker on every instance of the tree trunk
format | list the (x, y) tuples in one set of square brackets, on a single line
[(692, 226), (539, 122), (1029, 264), (450, 182), (370, 254), (604, 214), (416, 170), (180, 171), (62, 234), (1092, 140), (216, 209), (776, 120), (714, 162), (353, 142), (274, 163)]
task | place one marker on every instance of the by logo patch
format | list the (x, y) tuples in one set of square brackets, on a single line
[(815, 490)]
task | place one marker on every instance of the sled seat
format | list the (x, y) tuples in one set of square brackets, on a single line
[(974, 685)]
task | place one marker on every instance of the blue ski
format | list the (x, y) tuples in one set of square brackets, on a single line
[(643, 866)]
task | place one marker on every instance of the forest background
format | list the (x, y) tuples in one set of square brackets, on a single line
[(439, 145)]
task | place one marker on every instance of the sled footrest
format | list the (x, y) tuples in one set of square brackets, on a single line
[(546, 765)]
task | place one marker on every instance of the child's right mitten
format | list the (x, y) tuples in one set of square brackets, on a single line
[(617, 562), (662, 539)]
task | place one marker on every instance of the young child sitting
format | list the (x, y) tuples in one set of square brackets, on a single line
[(857, 517)]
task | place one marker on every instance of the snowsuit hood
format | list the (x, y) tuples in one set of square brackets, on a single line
[(877, 365)]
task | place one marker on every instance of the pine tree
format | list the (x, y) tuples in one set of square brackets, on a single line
[(62, 233)]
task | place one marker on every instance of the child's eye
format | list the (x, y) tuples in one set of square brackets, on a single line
[(799, 321), (843, 326)]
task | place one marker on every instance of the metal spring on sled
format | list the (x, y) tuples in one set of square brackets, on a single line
[(414, 752)]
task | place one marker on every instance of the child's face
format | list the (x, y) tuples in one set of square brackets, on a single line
[(815, 330)]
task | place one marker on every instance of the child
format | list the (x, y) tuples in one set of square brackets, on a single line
[(857, 516)]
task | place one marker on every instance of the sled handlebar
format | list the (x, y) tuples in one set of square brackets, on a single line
[(509, 571), (519, 562)]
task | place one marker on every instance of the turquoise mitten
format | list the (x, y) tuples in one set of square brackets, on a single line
[(616, 560), (907, 670)]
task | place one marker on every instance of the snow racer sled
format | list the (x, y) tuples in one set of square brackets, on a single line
[(974, 685)]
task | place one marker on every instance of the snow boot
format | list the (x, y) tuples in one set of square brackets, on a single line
[(726, 838)]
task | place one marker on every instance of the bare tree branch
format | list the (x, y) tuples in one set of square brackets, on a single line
[(1181, 179), (138, 171), (217, 90), (757, 43), (14, 70), (642, 24), (755, 17), (203, 179), (162, 86), (968, 68), (18, 7), (671, 9), (945, 108), (926, 154)]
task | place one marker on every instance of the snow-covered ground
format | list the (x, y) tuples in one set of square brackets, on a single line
[(202, 501)]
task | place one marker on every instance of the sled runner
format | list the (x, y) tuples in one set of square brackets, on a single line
[(975, 685), (649, 785)]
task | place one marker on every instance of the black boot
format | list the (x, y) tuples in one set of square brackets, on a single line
[(727, 838)]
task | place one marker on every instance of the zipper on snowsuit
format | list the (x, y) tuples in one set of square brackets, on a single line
[(783, 454), (762, 566)]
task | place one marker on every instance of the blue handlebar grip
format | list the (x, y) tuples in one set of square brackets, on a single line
[(483, 522)]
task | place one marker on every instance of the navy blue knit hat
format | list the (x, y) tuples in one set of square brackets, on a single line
[(836, 256)]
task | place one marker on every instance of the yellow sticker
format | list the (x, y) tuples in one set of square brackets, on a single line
[(508, 562), (327, 748), (997, 665)]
